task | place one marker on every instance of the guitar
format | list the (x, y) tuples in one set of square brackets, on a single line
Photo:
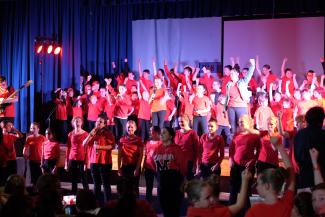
[(4, 104)]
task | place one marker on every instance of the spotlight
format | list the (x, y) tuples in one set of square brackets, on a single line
[(39, 49), (57, 50), (49, 49)]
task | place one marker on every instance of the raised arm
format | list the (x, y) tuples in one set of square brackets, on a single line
[(140, 68), (285, 60), (258, 66), (318, 178), (154, 66)]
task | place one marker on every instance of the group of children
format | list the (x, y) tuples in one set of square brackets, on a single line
[(178, 124)]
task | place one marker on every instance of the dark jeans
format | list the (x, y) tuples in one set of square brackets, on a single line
[(144, 128), (76, 167), (227, 132), (235, 185), (158, 118), (260, 166), (120, 128), (149, 176), (35, 171), (170, 194), (190, 172), (61, 132), (101, 175), (128, 171), (200, 125), (234, 113), (49, 165), (11, 168), (206, 170)]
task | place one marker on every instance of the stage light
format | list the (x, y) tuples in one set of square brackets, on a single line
[(39, 49), (49, 49), (57, 50)]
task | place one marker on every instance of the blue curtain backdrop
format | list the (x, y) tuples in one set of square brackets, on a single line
[(94, 33)]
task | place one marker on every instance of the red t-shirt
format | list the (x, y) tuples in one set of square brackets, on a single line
[(170, 157), (8, 144), (222, 117), (109, 110), (208, 82), (130, 148), (122, 107), (76, 112), (189, 143), (75, 149), (102, 102), (172, 79), (186, 106), (103, 138), (10, 109), (211, 150), (276, 106), (200, 103), (284, 80), (51, 150), (61, 110), (93, 111), (243, 147), (35, 144), (151, 147), (282, 208), (235, 99), (129, 84), (147, 83), (224, 80), (136, 106), (144, 110), (209, 212), (268, 153), (270, 79), (170, 105)]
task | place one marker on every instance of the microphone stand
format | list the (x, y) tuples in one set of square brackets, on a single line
[(48, 119)]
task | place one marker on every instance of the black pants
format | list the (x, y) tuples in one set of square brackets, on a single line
[(101, 175), (35, 171), (149, 176), (11, 168), (120, 128), (49, 165), (260, 166), (91, 125), (235, 185), (61, 130), (206, 170), (170, 194), (144, 128), (128, 171), (76, 167), (190, 172)]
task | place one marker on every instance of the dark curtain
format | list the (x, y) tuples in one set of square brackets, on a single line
[(94, 33)]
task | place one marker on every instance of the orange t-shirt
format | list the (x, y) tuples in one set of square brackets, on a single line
[(261, 115), (158, 103), (235, 99), (200, 103), (222, 117)]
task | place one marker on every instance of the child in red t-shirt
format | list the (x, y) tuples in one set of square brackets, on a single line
[(149, 163), (9, 136), (202, 197), (50, 153), (94, 109), (222, 119), (61, 115), (130, 153), (144, 115), (170, 109), (269, 185), (77, 109), (33, 151)]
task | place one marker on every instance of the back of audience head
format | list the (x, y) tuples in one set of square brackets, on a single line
[(199, 193), (85, 200), (315, 116), (303, 205), (15, 185), (271, 181)]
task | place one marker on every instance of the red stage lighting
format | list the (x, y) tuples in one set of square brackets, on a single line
[(39, 48), (49, 49), (57, 50)]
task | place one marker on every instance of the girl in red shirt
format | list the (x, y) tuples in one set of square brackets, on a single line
[(188, 141), (130, 153), (94, 109), (211, 151), (170, 167), (61, 115), (33, 151), (243, 153), (75, 155), (9, 136), (269, 185), (50, 153), (201, 196), (100, 143), (144, 116), (149, 163), (268, 156)]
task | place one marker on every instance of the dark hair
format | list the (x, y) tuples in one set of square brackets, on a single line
[(310, 71), (163, 71), (15, 184), (245, 69), (85, 200), (2, 78), (274, 177), (171, 132), (213, 120), (267, 66), (287, 69), (214, 182), (315, 116), (146, 71), (303, 203), (228, 67), (188, 68), (320, 186), (237, 67), (156, 129)]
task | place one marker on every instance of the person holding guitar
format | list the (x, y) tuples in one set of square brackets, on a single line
[(7, 107)]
